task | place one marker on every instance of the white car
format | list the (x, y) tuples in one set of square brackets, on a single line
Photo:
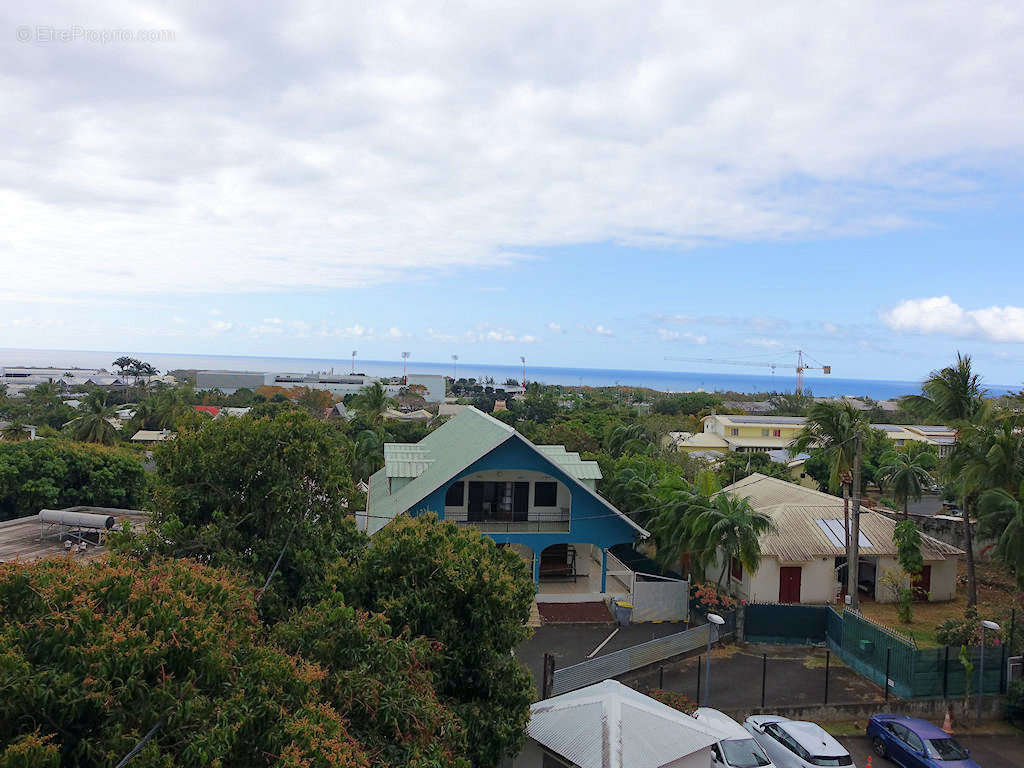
[(735, 747), (797, 744)]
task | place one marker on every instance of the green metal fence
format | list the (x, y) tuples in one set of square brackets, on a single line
[(784, 624), (880, 653)]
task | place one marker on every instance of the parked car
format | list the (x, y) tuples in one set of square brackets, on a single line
[(914, 743), (735, 747), (797, 744)]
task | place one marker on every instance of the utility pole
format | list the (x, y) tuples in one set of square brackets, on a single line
[(353, 361), (524, 370), (853, 562), (455, 367)]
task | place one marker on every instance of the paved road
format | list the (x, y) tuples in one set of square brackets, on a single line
[(986, 751)]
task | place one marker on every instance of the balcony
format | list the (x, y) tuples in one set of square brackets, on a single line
[(537, 521)]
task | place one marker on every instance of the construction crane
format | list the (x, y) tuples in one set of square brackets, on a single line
[(801, 365)]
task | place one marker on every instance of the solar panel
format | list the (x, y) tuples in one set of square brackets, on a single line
[(833, 529), (767, 419)]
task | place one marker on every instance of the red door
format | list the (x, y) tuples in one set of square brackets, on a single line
[(922, 583), (789, 583)]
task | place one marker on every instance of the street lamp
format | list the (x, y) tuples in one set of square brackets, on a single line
[(713, 618), (981, 664), (405, 357)]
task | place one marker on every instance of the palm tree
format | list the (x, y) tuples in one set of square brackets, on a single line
[(628, 438), (14, 432), (371, 402), (94, 426), (732, 525), (832, 430), (908, 473), (672, 530), (955, 396), (1001, 517), (368, 455)]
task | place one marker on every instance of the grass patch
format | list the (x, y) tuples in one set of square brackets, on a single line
[(996, 597)]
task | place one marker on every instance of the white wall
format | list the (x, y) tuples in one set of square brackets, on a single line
[(433, 382), (818, 583), (943, 579)]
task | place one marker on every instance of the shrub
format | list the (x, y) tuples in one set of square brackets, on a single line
[(674, 700), (1015, 701), (960, 631), (709, 598)]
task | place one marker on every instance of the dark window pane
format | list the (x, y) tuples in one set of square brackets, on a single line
[(453, 498), (545, 494)]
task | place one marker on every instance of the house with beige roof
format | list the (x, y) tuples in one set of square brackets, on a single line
[(803, 560)]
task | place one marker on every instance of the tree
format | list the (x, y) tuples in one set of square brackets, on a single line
[(369, 453), (791, 403), (1001, 517), (245, 492), (94, 424), (955, 396), (14, 432), (907, 473), (907, 539), (58, 473), (96, 654), (474, 598), (381, 681), (624, 439), (316, 401), (371, 403), (834, 430), (733, 526)]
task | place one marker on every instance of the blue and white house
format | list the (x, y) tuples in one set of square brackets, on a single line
[(477, 471)]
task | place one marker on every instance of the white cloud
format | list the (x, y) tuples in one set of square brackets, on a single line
[(272, 320), (350, 332), (258, 158), (761, 341), (555, 328), (667, 334), (178, 320), (598, 330), (394, 333), (940, 314), (829, 327), (219, 326), (528, 339)]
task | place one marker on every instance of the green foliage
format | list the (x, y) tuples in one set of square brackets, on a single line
[(688, 403), (700, 527), (1001, 517), (623, 439), (234, 491), (907, 539), (735, 466), (92, 655), (829, 434), (54, 473), (540, 404), (906, 473), (459, 588), (896, 584), (1015, 701), (92, 425), (675, 700), (381, 683), (960, 631)]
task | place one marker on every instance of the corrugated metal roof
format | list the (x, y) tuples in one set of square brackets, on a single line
[(798, 537), (466, 437), (608, 725), (571, 462)]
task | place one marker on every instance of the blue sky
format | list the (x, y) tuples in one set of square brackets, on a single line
[(602, 190)]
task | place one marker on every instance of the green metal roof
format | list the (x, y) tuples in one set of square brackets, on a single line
[(445, 452)]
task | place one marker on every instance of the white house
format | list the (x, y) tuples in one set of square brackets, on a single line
[(804, 559), (609, 725)]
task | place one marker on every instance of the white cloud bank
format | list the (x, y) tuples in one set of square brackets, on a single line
[(323, 146), (940, 314)]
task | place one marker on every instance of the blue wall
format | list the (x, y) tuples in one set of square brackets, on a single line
[(514, 454)]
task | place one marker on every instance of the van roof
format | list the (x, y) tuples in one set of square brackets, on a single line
[(720, 723)]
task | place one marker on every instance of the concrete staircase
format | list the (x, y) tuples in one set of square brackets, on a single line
[(534, 620)]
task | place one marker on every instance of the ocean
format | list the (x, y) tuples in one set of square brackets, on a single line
[(666, 381)]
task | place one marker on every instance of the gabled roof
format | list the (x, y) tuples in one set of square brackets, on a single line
[(609, 725), (804, 519), (763, 491), (444, 453)]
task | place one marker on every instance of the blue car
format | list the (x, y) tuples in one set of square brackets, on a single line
[(914, 743)]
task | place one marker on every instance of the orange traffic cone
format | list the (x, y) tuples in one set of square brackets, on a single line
[(869, 762), (947, 724)]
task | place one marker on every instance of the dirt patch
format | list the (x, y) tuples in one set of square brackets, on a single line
[(574, 613)]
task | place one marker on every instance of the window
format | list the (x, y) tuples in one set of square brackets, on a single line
[(455, 494), (734, 431), (913, 740), (545, 494), (743, 753), (786, 740), (736, 568), (764, 433), (776, 433), (946, 749)]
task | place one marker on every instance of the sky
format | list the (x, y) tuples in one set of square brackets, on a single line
[(604, 184)]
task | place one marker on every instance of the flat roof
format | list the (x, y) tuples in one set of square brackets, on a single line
[(20, 539)]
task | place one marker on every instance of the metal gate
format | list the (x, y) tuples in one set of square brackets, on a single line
[(660, 598)]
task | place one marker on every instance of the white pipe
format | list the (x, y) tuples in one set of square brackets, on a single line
[(76, 519)]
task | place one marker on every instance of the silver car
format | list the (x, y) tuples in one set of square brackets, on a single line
[(797, 744)]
